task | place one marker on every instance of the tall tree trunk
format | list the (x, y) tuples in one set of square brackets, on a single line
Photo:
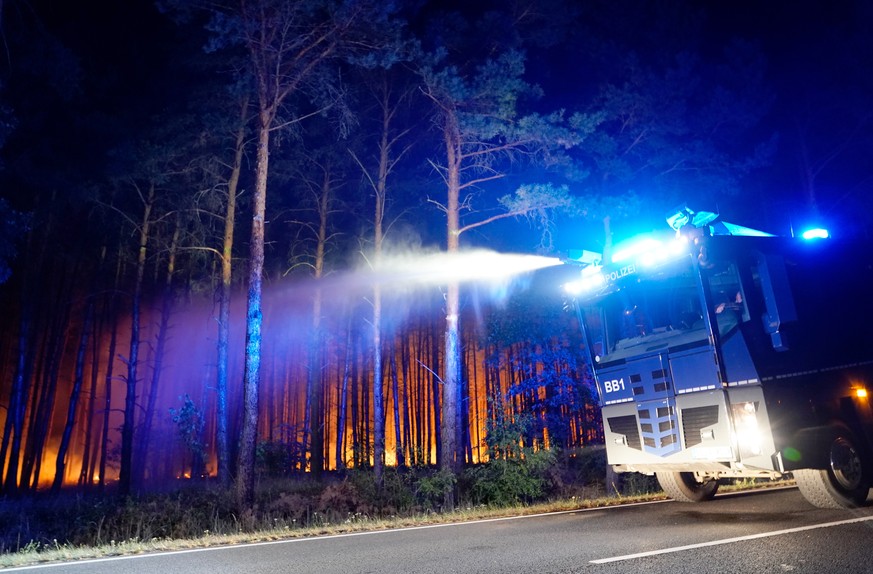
[(245, 482), (314, 380), (342, 392), (356, 382), (224, 300), (378, 395), (407, 390), (72, 407), (466, 447), (281, 63), (366, 427), (395, 389), (89, 459), (125, 477), (107, 399), (422, 420), (435, 406), (110, 370), (17, 404), (451, 380), (380, 189), (476, 439), (36, 400)]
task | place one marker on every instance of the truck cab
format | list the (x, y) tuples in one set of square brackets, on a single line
[(735, 354)]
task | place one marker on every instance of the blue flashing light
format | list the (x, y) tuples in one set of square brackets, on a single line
[(816, 233), (651, 251), (635, 249)]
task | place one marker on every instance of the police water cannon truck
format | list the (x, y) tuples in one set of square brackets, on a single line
[(720, 351)]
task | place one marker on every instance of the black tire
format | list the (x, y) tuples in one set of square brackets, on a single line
[(845, 483), (685, 487)]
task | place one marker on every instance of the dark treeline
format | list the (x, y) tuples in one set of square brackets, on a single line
[(216, 217)]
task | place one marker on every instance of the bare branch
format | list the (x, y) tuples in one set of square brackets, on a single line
[(431, 371)]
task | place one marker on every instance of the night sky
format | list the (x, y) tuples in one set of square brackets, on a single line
[(817, 57)]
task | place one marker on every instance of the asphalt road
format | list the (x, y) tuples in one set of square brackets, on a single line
[(753, 532)]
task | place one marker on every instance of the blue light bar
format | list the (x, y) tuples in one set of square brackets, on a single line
[(647, 250), (816, 233), (635, 248)]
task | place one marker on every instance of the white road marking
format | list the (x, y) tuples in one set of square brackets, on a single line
[(731, 540)]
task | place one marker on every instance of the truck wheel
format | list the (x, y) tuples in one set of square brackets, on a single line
[(844, 484), (685, 486)]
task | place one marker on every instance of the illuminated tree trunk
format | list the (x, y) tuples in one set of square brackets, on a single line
[(451, 461), (378, 395), (380, 189), (245, 481), (287, 42)]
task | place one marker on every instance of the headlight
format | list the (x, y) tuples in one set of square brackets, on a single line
[(746, 428)]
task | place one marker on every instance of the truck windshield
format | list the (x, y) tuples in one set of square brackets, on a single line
[(646, 313)]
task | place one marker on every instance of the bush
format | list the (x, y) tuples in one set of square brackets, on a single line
[(395, 495), (508, 481), (434, 490), (515, 473)]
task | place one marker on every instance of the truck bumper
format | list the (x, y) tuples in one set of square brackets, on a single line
[(715, 432)]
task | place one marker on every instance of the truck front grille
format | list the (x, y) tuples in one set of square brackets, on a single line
[(696, 419), (627, 426)]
